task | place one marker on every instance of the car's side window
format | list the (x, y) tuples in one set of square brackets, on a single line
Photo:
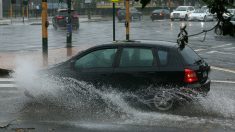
[(163, 57), (97, 59), (136, 57)]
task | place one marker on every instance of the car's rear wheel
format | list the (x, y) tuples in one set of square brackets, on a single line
[(163, 101), (186, 18), (205, 19), (218, 30)]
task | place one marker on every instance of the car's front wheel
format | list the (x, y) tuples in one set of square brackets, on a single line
[(163, 101)]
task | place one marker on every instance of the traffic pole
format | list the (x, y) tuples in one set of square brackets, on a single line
[(127, 23), (23, 12), (114, 10), (11, 12), (69, 25), (45, 24)]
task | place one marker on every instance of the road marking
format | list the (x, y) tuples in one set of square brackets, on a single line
[(6, 80), (220, 81), (197, 50), (214, 51), (7, 85), (221, 46), (229, 48), (223, 69)]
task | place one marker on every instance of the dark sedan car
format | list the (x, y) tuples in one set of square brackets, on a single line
[(60, 19), (160, 14), (146, 66), (134, 14)]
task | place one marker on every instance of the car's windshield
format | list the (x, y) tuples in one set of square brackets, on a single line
[(157, 11), (199, 11), (65, 13), (190, 57), (181, 8)]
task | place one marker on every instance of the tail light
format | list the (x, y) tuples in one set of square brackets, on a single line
[(59, 17), (190, 76)]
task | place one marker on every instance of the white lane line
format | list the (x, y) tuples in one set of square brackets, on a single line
[(197, 50), (229, 48), (220, 81), (6, 80), (214, 51), (7, 85), (221, 46), (223, 69)]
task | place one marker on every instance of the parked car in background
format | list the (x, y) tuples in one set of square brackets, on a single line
[(160, 14), (201, 15), (136, 66), (182, 13), (60, 19), (134, 14), (233, 22), (232, 11)]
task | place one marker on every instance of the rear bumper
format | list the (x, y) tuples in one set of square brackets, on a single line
[(204, 88)]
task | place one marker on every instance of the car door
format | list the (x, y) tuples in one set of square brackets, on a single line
[(171, 69), (136, 68), (96, 66)]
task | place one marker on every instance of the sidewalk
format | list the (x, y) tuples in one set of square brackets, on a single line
[(37, 21), (10, 60)]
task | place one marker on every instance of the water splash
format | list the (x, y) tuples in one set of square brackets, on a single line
[(77, 100)]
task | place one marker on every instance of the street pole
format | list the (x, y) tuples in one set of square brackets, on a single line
[(44, 33), (23, 12), (89, 11), (11, 12), (69, 25), (114, 21), (127, 23)]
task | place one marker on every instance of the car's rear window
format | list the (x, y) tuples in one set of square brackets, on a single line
[(189, 55)]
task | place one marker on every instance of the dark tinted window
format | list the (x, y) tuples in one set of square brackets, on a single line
[(189, 55), (163, 57), (97, 59), (136, 57)]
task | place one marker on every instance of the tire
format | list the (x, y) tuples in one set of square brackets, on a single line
[(204, 19), (163, 101), (218, 30), (172, 19), (186, 18)]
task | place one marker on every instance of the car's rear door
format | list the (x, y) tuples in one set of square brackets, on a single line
[(171, 70), (96, 66), (136, 68)]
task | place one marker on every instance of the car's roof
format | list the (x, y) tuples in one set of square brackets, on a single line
[(140, 43)]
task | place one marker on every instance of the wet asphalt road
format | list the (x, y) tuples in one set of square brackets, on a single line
[(59, 110)]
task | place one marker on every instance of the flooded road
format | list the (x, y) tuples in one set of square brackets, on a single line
[(66, 104)]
